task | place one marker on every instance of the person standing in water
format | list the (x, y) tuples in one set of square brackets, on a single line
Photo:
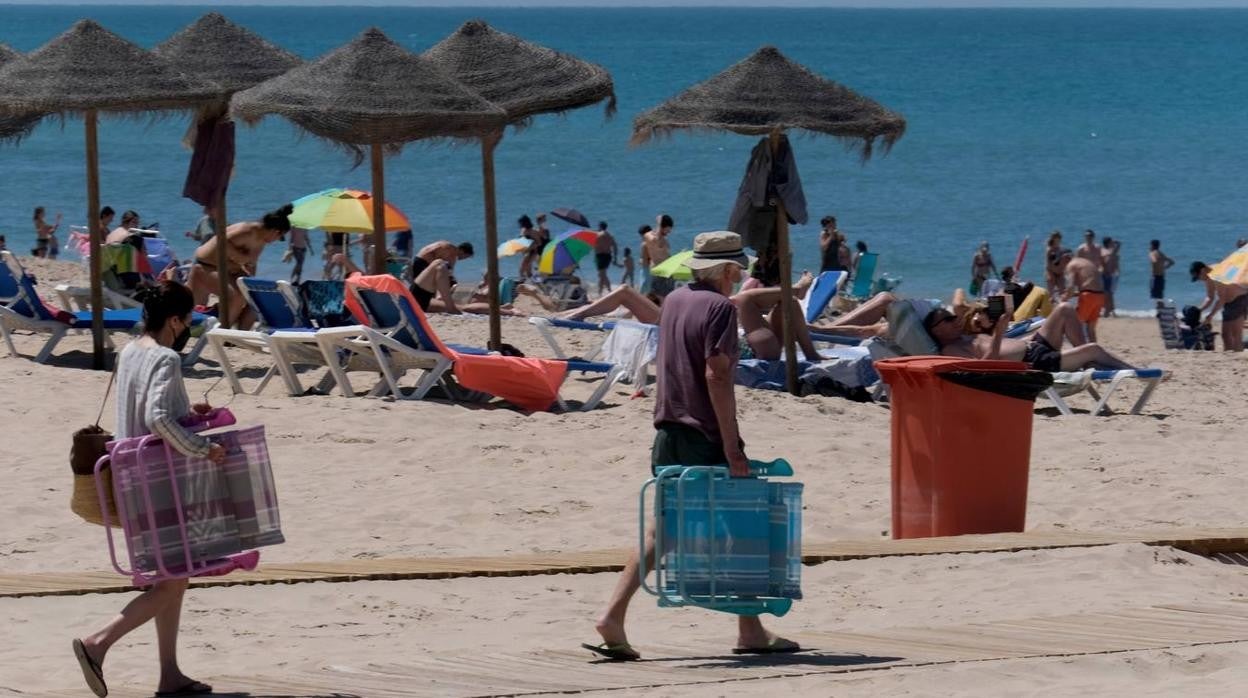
[(629, 277), (1159, 263), (1110, 270), (981, 266), (45, 236), (605, 250)]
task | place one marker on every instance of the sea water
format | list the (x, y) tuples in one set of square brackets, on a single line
[(1131, 122)]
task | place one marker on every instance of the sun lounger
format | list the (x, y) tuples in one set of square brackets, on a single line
[(1067, 384), (286, 336), (21, 309), (398, 328), (545, 327), (820, 294)]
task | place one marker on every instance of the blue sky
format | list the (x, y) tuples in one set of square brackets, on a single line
[(670, 3)]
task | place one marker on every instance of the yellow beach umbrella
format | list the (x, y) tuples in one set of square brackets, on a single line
[(1233, 269)]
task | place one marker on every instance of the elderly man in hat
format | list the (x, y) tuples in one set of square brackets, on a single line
[(695, 414)]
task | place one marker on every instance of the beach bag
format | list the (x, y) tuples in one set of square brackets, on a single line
[(86, 448)]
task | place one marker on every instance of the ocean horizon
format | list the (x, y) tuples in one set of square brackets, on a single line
[(1020, 121)]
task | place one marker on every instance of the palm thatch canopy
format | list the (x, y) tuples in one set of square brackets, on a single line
[(91, 68), (521, 77), (372, 91), (14, 127), (215, 49), (767, 92)]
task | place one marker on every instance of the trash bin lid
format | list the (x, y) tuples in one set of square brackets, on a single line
[(930, 365), (1009, 378), (1024, 385)]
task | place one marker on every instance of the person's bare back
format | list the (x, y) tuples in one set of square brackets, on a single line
[(1084, 275)]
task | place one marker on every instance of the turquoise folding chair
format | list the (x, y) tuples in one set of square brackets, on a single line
[(864, 275), (723, 543)]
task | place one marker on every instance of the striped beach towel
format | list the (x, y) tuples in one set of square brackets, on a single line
[(753, 534), (729, 544)]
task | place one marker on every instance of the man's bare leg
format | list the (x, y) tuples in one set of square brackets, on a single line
[(1233, 335), (642, 308), (764, 327), (436, 279), (868, 313), (1062, 325), (611, 625), (201, 281), (547, 303), (1093, 355)]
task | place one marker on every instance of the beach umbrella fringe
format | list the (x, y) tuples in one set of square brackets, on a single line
[(90, 68), (767, 92), (371, 91), (522, 78), (231, 57)]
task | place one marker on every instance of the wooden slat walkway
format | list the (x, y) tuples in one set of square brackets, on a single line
[(477, 674), (1197, 540)]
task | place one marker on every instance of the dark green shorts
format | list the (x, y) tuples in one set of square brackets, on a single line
[(677, 444)]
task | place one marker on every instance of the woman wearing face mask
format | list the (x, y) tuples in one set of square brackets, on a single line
[(151, 398)]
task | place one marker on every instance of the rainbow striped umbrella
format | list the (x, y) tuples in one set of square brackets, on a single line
[(344, 211), (1233, 269), (566, 251)]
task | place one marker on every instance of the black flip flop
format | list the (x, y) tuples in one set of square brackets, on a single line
[(622, 652), (194, 688), (91, 672), (777, 646)]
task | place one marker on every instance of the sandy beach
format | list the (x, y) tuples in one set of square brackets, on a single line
[(367, 478)]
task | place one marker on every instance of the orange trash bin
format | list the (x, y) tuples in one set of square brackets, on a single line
[(961, 443)]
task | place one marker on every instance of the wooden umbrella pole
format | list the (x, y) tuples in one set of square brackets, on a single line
[(96, 237), (491, 239), (223, 260), (379, 211), (786, 283)]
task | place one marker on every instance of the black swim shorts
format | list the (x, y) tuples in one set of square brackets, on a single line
[(1236, 309), (1042, 356)]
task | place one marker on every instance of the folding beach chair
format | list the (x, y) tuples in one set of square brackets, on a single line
[(1067, 384), (21, 309), (398, 328), (864, 276), (285, 335)]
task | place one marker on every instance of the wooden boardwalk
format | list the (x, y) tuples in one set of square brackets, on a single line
[(537, 672), (1197, 540)]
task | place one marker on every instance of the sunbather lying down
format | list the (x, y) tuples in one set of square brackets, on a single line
[(1043, 351), (478, 303), (756, 313)]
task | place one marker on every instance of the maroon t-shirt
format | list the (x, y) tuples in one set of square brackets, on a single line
[(696, 323)]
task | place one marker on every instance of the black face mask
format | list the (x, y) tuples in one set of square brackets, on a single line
[(180, 342)]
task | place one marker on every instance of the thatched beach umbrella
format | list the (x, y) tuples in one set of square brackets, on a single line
[(233, 58), (373, 92), (525, 80), (88, 70), (767, 94), (14, 128)]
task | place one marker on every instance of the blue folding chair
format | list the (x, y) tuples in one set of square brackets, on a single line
[(723, 543)]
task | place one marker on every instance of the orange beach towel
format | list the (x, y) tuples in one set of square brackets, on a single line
[(531, 384)]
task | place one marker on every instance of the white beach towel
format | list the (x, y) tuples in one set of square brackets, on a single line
[(632, 346)]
